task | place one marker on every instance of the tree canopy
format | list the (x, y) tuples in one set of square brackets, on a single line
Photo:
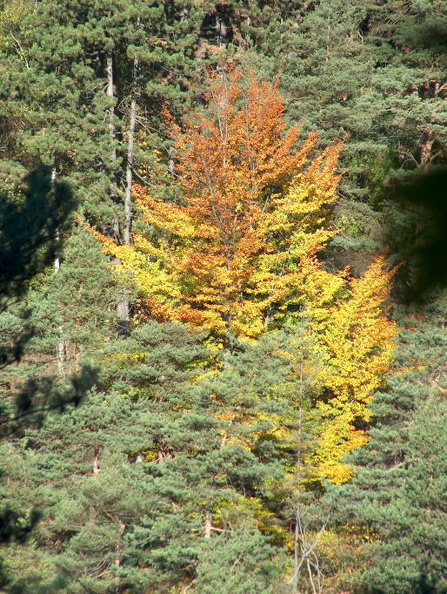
[(222, 297)]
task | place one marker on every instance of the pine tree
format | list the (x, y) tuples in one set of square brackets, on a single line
[(29, 224), (394, 501), (174, 457), (77, 98)]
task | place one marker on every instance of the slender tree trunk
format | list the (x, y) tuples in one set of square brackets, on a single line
[(96, 468), (123, 318), (297, 540), (130, 155), (112, 130), (208, 525), (426, 149), (61, 348), (305, 543)]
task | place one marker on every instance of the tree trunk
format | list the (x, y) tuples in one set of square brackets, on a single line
[(208, 525), (426, 149), (112, 131), (96, 466), (60, 349), (297, 536), (130, 155), (305, 554), (123, 318)]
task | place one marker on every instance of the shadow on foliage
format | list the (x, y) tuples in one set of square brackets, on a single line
[(37, 397), (31, 227), (417, 231), (30, 224)]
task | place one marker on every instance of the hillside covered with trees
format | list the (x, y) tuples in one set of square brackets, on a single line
[(223, 297)]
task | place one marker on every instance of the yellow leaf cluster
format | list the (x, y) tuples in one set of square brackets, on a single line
[(355, 340)]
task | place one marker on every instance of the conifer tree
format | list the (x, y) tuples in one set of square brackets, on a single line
[(76, 99), (29, 224), (203, 459), (394, 503), (176, 457)]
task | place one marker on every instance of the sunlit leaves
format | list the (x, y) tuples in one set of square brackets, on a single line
[(356, 343), (232, 257)]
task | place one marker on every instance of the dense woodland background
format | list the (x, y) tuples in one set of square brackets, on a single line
[(223, 304)]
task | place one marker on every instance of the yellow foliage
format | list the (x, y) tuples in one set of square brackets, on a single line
[(355, 340)]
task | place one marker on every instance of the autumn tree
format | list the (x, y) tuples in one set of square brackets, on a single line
[(236, 252), (233, 254)]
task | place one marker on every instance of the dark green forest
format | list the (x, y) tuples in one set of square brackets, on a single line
[(223, 296)]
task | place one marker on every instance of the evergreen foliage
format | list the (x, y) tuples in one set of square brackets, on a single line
[(396, 496)]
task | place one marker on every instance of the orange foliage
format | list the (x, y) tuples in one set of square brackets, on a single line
[(234, 254)]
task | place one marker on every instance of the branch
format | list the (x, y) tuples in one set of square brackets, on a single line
[(20, 51)]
